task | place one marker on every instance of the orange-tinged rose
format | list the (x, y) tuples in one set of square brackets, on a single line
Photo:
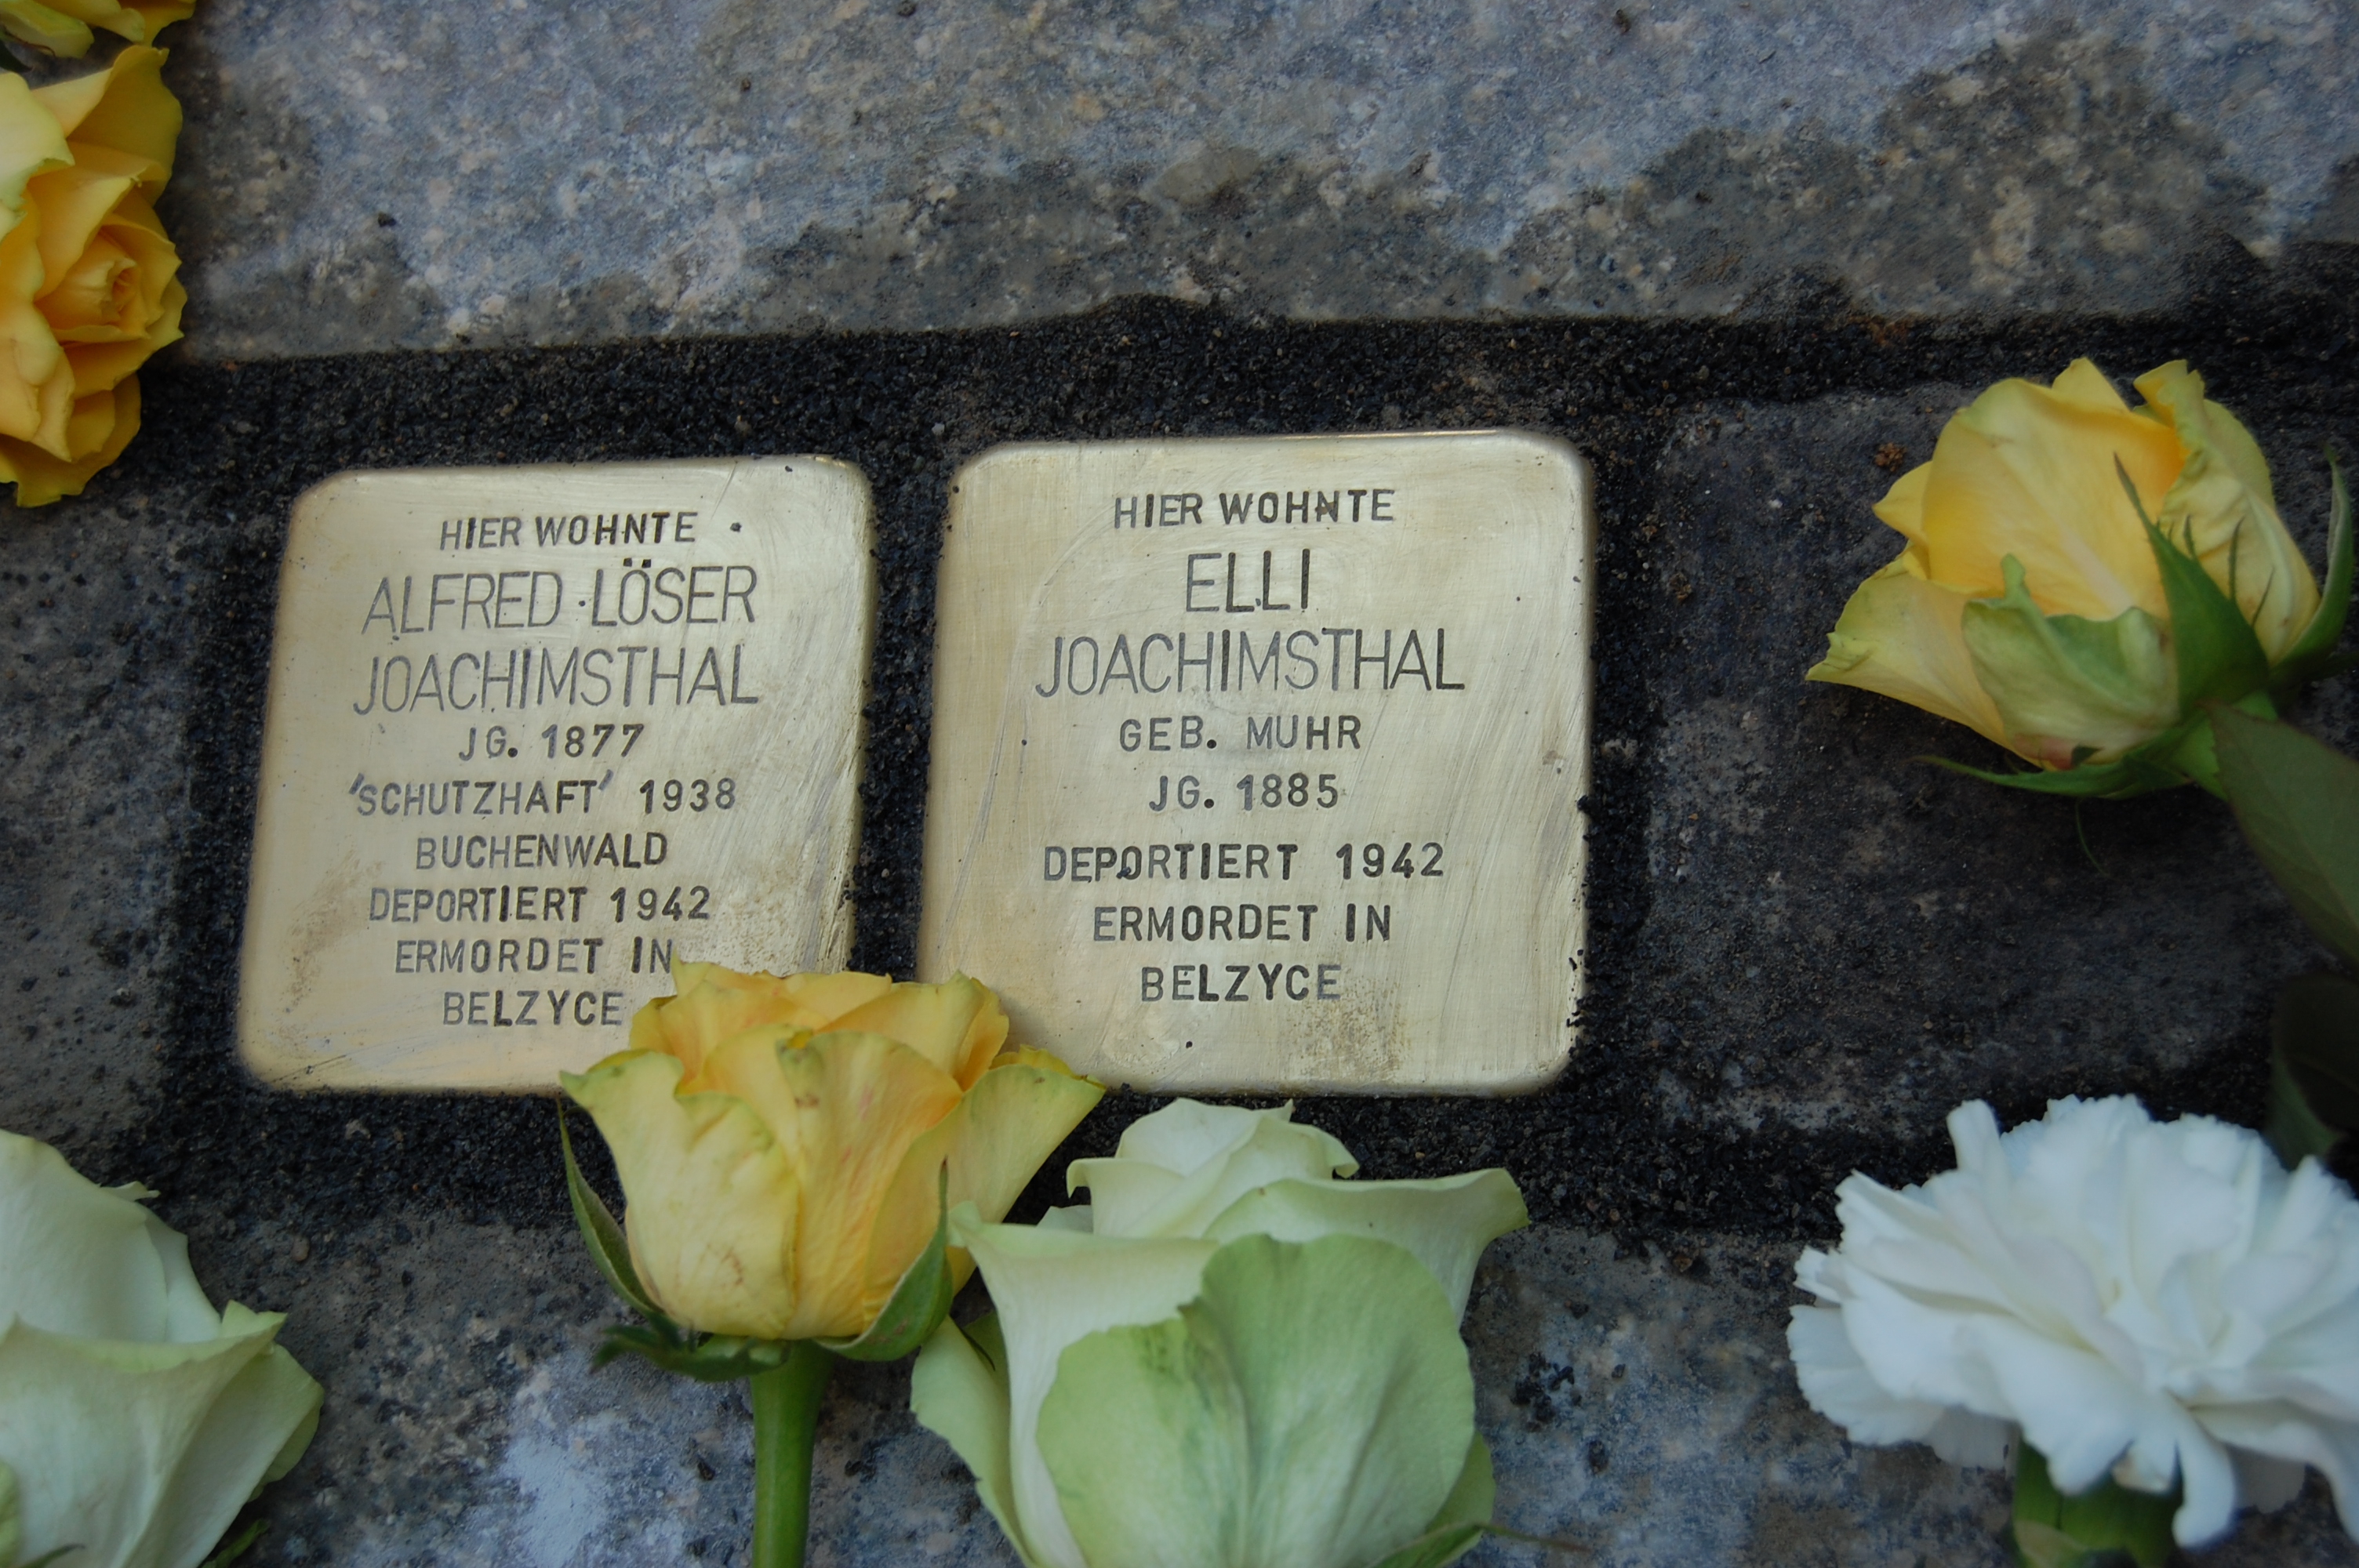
[(781, 1140), (2029, 602), (89, 284)]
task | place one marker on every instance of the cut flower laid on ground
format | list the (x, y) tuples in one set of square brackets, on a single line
[(2158, 1306), (1229, 1357), (135, 1419), (2081, 577), (88, 283), (790, 1150)]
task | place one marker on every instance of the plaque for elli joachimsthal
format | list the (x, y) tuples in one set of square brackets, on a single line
[(533, 733), (1256, 763)]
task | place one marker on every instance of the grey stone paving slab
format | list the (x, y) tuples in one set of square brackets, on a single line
[(358, 174)]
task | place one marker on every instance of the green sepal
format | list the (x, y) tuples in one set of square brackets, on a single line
[(919, 1301), (2313, 1065), (2312, 654), (602, 1235), (2116, 780), (2298, 802), (2184, 753), (708, 1358), (2219, 658), (45, 1558), (1436, 1547), (230, 1550), (2108, 1524)]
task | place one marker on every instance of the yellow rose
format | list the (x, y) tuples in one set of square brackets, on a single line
[(2033, 603), (63, 26), (781, 1141), (88, 282)]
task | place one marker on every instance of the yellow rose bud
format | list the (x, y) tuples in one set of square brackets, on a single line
[(781, 1140), (63, 26), (89, 285), (2032, 601)]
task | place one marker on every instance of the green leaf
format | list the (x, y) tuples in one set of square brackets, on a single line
[(602, 1235), (1311, 1407), (2316, 1034), (2314, 649), (919, 1301), (2294, 1131), (237, 1546), (2219, 658), (2298, 802), (2095, 1529)]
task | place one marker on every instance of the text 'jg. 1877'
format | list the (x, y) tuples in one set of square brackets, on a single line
[(533, 731)]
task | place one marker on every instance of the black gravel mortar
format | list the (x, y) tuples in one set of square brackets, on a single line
[(909, 408)]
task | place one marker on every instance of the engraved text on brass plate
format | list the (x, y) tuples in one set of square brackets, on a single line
[(1256, 762), (534, 731)]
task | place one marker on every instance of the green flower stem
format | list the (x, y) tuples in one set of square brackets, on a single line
[(786, 1423), (2103, 1525)]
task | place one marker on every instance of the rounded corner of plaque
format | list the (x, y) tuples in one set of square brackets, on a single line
[(1540, 1077), (843, 470), (326, 492), (995, 456), (1552, 447), (267, 1067)]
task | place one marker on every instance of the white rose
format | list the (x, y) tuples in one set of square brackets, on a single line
[(2161, 1302), (1222, 1282), (135, 1420)]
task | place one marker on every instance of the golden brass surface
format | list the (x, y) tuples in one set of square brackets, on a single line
[(531, 732), (1327, 842)]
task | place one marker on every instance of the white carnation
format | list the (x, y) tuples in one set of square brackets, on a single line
[(2161, 1302)]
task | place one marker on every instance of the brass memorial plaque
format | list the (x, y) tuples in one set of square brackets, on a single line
[(1256, 762), (531, 732)]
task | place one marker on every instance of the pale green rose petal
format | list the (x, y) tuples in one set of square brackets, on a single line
[(958, 1392), (2068, 689), (1311, 1408), (1177, 1177), (1458, 1529), (1445, 1221), (1053, 1287), (277, 1380), (12, 1519), (1476, 1493), (143, 1453), (82, 1259), (2223, 499)]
